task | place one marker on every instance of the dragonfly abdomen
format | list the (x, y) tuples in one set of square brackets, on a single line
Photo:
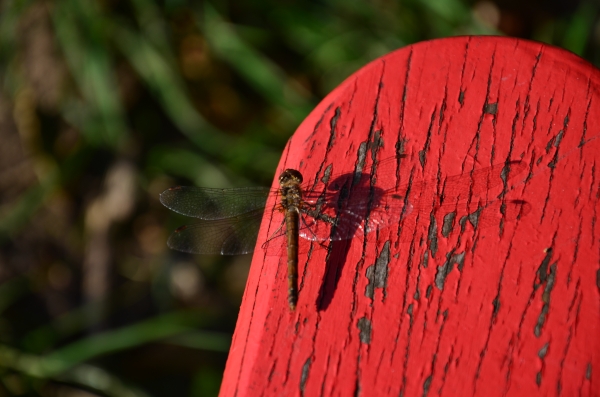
[(291, 201), (291, 224)]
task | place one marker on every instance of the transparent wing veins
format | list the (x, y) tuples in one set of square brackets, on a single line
[(228, 236), (210, 203)]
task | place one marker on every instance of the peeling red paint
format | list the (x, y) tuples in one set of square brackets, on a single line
[(499, 298)]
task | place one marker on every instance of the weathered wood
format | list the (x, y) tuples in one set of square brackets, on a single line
[(507, 301)]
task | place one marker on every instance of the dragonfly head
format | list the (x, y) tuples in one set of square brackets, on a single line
[(290, 176)]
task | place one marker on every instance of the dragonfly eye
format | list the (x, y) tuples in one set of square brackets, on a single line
[(290, 175)]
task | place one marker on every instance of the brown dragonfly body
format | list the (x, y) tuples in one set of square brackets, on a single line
[(291, 202)]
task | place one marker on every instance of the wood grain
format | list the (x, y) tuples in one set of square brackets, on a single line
[(438, 305)]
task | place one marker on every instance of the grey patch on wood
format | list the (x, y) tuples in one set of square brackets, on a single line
[(561, 133), (364, 326), (376, 145), (423, 152), (540, 321), (377, 274), (462, 222), (304, 375), (446, 268), (538, 378), (448, 224), (459, 259), (461, 97), (432, 235), (474, 217), (474, 246), (426, 385), (504, 173), (538, 161), (327, 174), (556, 143), (542, 272), (491, 108), (400, 147), (549, 145), (543, 351), (588, 371), (496, 304), (549, 281), (360, 165), (332, 124), (425, 259), (558, 138), (417, 294), (442, 110), (442, 273), (428, 292)]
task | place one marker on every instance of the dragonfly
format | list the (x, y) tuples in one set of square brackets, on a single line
[(329, 209)]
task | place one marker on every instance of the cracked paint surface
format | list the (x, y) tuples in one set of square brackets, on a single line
[(489, 284)]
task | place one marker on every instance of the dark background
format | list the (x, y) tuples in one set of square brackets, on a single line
[(104, 104)]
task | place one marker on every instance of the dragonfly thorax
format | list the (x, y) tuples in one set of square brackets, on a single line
[(291, 193)]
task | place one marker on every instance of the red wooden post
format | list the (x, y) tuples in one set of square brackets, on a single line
[(489, 285)]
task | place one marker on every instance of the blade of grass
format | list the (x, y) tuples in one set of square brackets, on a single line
[(80, 29), (166, 84), (214, 341), (580, 27), (185, 163), (74, 321), (83, 375), (151, 330), (153, 26), (265, 76), (168, 88)]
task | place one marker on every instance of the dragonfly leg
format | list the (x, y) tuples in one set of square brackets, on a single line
[(322, 217)]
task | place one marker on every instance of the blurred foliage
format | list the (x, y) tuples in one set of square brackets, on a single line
[(106, 103)]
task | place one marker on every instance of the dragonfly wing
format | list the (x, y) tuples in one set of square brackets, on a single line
[(346, 226), (458, 188), (366, 211), (210, 203), (371, 208), (228, 236), (497, 211), (490, 214), (388, 210)]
